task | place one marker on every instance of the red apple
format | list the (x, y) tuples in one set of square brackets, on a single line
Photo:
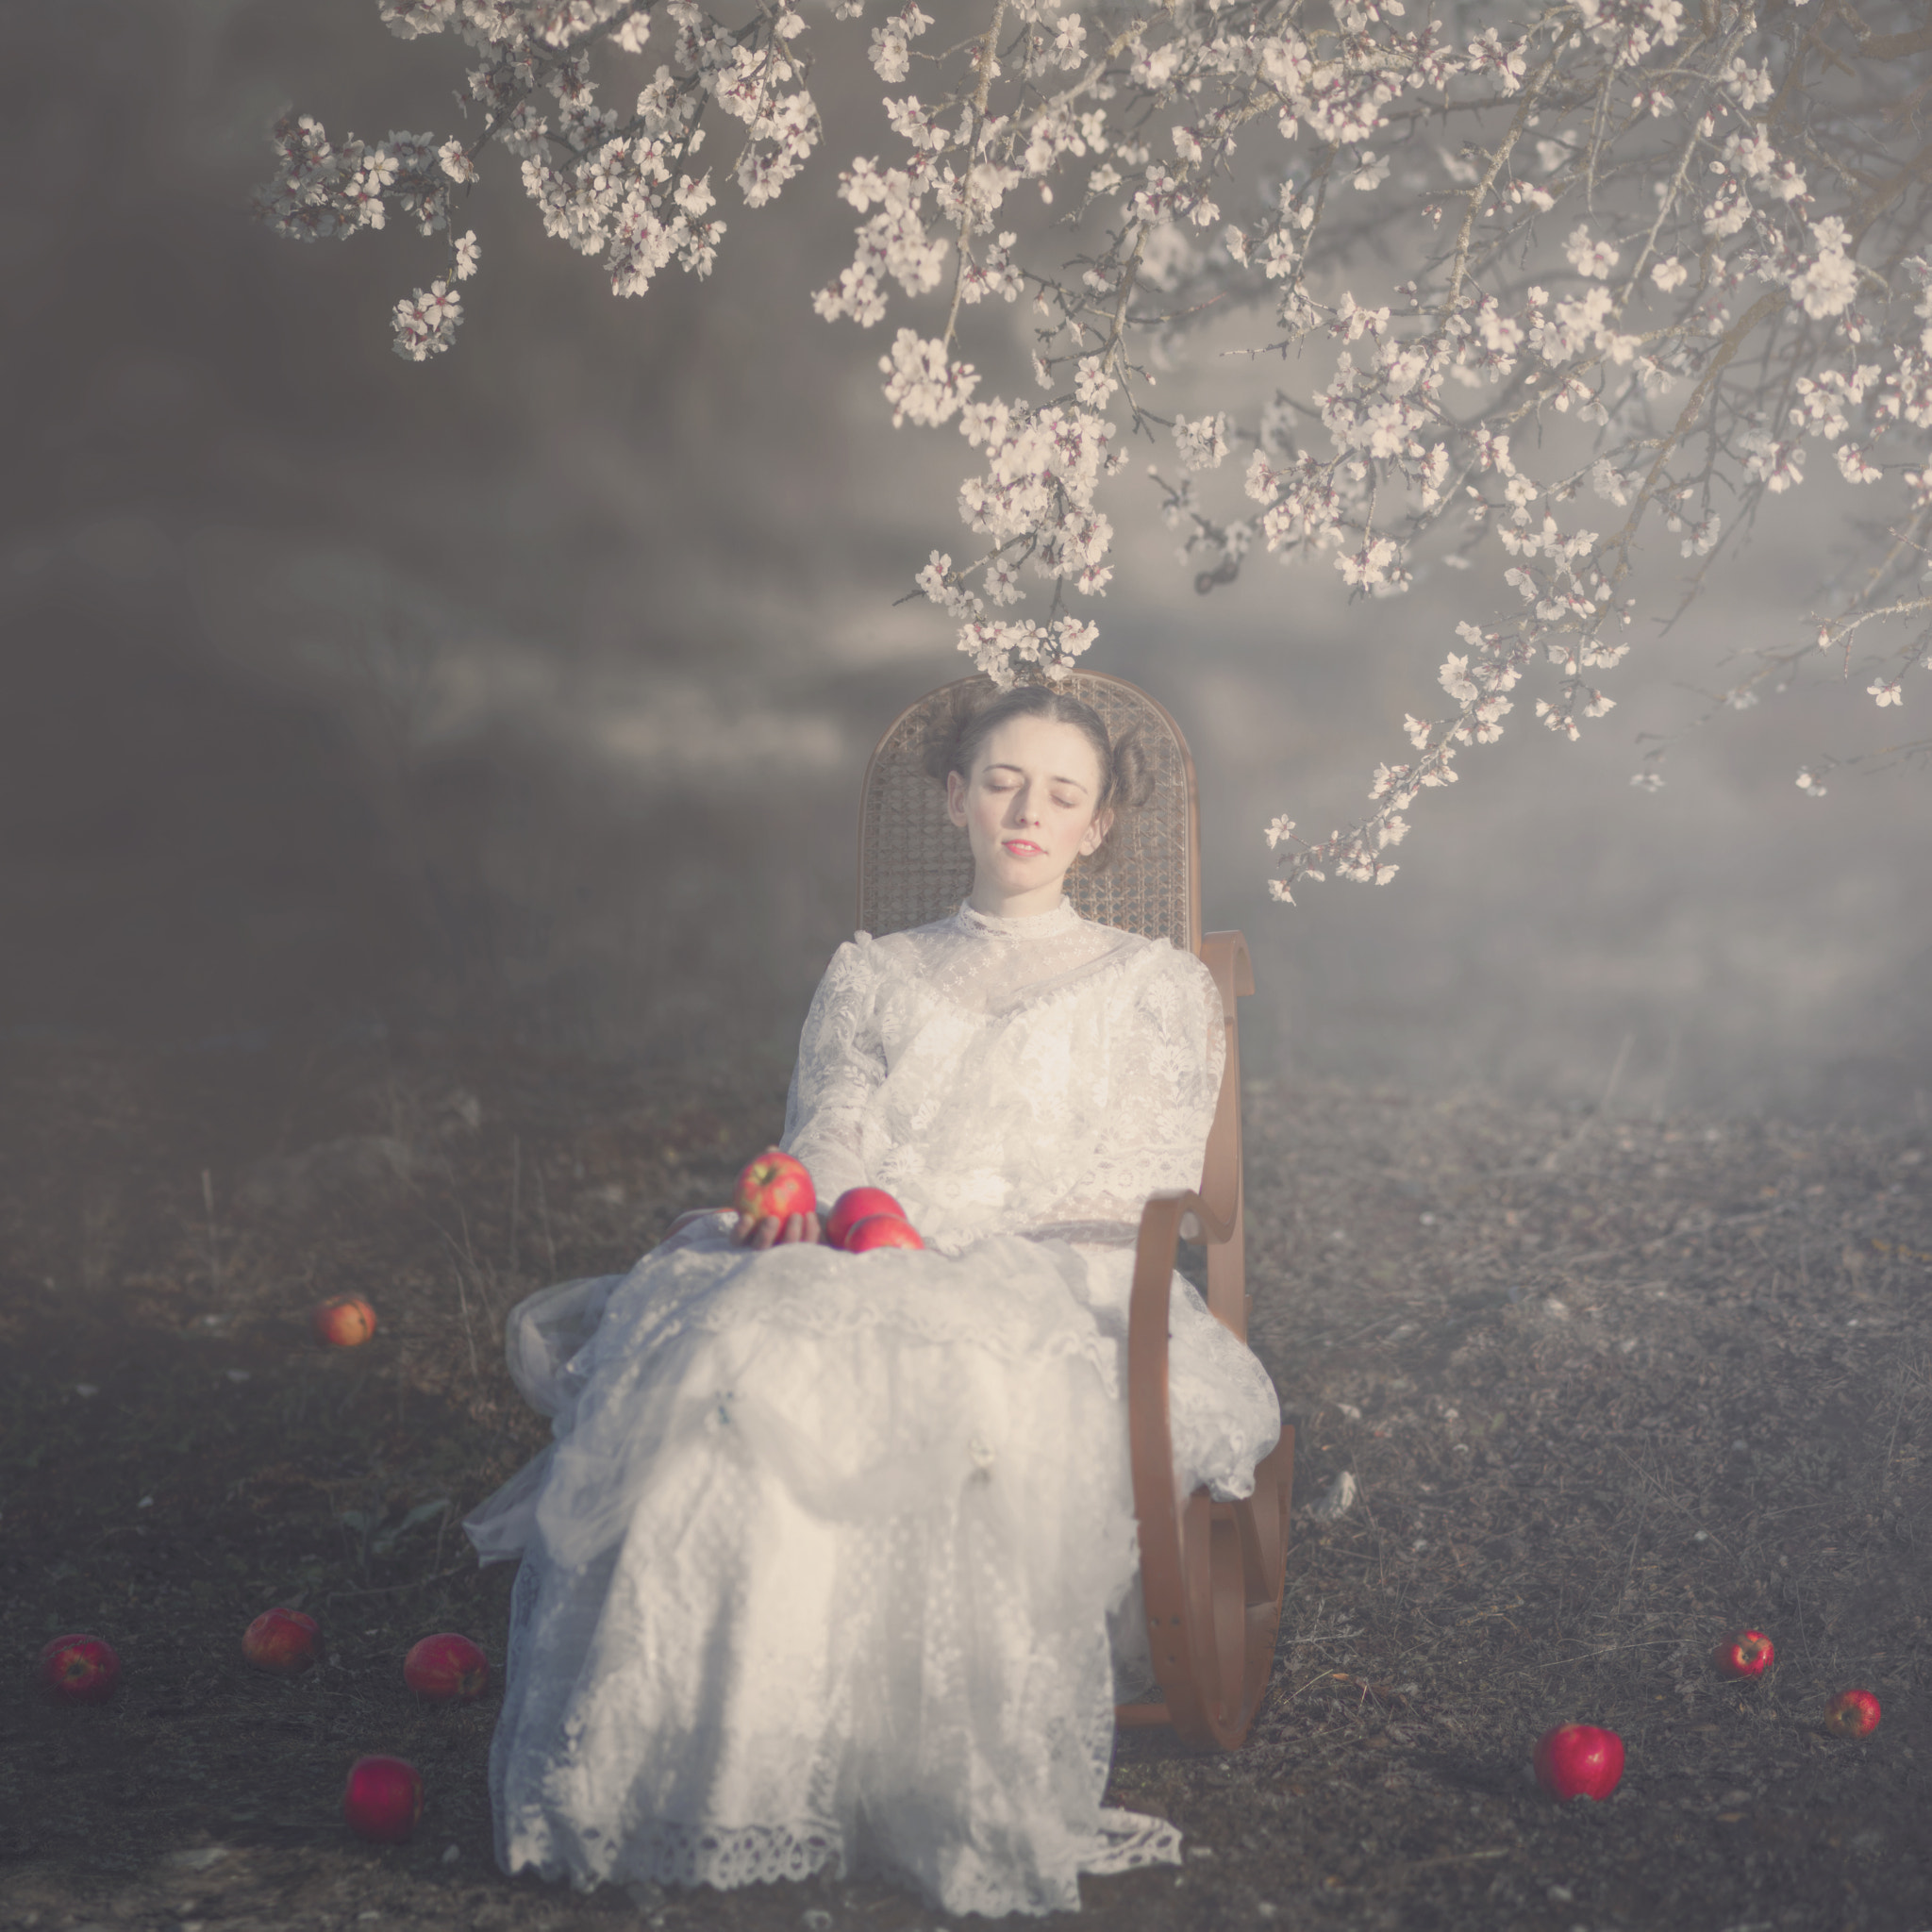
[(446, 1668), (852, 1206), (282, 1640), (383, 1799), (1852, 1714), (1744, 1654), (345, 1321), (80, 1669), (882, 1231), (774, 1186), (1579, 1761)]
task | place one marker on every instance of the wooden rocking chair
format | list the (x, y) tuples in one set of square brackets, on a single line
[(1212, 1573)]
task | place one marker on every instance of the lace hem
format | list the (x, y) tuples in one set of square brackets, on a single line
[(691, 1855)]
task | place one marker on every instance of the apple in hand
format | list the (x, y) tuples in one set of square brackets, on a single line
[(1744, 1654), (383, 1799), (852, 1206), (79, 1669), (1579, 1761), (446, 1668), (345, 1321), (1852, 1714), (882, 1231), (282, 1640), (774, 1186)]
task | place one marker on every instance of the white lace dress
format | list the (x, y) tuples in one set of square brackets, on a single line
[(831, 1564)]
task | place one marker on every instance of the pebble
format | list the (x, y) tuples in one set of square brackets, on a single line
[(198, 1858)]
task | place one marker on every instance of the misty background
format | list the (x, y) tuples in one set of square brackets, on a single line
[(527, 692)]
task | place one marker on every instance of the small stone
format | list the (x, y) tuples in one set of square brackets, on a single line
[(1337, 1499), (450, 1855), (198, 1858)]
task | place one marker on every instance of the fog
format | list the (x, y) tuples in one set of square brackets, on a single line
[(527, 692)]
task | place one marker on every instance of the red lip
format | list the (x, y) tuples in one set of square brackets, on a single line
[(1015, 845)]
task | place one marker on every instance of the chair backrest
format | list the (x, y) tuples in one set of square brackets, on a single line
[(915, 866)]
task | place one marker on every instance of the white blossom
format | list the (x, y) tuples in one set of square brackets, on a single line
[(1202, 443), (1669, 289), (425, 324), (1588, 257), (920, 381)]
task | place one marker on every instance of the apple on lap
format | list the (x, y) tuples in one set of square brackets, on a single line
[(775, 1187)]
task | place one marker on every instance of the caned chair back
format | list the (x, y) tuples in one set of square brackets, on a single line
[(915, 866)]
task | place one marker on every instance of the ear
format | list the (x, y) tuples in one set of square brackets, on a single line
[(1091, 838), (956, 798)]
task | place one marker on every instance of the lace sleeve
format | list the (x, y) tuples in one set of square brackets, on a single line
[(841, 1061), (1162, 1087)]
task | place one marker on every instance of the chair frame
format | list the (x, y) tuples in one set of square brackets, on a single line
[(1213, 1574)]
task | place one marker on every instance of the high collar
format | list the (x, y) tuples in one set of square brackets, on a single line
[(1038, 925)]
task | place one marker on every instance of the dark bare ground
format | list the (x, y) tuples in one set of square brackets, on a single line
[(1607, 1386)]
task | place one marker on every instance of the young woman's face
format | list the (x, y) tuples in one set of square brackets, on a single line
[(1029, 807)]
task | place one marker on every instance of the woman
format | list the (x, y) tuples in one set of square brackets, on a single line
[(831, 1565)]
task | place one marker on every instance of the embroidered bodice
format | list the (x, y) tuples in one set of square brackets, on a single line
[(1008, 1076)]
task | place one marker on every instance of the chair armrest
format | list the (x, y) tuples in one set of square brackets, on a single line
[(1150, 1436), (1225, 956)]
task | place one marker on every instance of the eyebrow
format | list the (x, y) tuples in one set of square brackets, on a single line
[(1074, 782)]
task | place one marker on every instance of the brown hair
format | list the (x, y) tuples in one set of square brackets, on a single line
[(966, 716)]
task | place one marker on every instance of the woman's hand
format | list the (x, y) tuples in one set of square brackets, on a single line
[(764, 1231)]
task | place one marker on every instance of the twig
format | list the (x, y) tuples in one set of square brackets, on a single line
[(987, 49), (215, 1259), (516, 1178), (390, 1589), (455, 1269), (1562, 1147), (544, 1217), (1487, 180)]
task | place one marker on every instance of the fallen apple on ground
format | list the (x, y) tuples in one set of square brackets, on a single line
[(1744, 1654), (446, 1668), (283, 1640), (1852, 1714), (79, 1669), (383, 1799), (345, 1321), (774, 1186), (882, 1231), (854, 1206), (1579, 1761)]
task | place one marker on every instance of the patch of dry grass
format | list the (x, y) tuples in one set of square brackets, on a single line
[(1607, 1388)]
